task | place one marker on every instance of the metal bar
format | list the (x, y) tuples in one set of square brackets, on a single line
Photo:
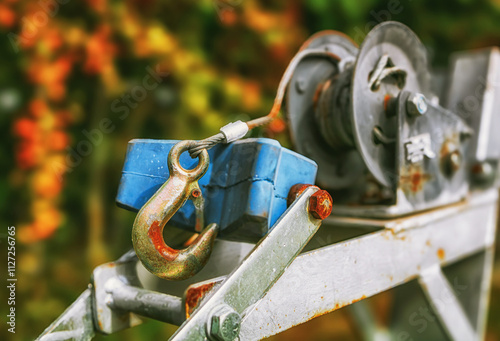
[(155, 305), (366, 322), (344, 273), (484, 294), (75, 323), (263, 266), (445, 304)]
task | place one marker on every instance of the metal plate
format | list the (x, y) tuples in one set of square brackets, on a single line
[(367, 107), (336, 169), (474, 94)]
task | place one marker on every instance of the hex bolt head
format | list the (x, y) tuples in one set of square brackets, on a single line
[(320, 204), (416, 105), (224, 324)]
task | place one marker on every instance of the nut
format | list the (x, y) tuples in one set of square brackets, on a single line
[(320, 204), (416, 105), (224, 324), (295, 191)]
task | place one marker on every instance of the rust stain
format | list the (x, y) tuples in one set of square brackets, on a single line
[(451, 143), (413, 178), (194, 295), (319, 90), (359, 299), (440, 253), (390, 234), (155, 234), (337, 306), (387, 98), (323, 33)]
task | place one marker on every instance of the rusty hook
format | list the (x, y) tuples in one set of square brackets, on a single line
[(147, 233)]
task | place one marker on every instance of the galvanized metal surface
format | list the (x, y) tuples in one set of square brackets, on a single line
[(265, 264), (339, 274), (344, 273), (147, 232), (147, 303), (106, 319)]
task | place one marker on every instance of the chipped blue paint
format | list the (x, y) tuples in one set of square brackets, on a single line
[(245, 187)]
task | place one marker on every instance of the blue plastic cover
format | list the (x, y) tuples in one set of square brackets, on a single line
[(245, 187)]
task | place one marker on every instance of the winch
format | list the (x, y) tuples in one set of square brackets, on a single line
[(369, 119), (412, 165)]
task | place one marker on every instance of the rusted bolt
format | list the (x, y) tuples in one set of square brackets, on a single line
[(295, 191), (224, 324), (482, 174), (451, 163), (320, 204), (416, 105)]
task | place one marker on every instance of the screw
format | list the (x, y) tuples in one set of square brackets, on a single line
[(224, 324), (320, 204), (416, 105)]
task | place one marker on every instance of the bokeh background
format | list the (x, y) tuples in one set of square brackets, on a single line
[(74, 91)]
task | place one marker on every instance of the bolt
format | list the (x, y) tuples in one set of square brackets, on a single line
[(295, 191), (483, 174), (451, 163), (416, 105), (320, 204), (300, 84), (224, 324)]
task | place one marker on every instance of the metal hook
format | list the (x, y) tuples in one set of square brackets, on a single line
[(147, 233)]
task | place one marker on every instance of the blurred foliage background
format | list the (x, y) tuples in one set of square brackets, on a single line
[(79, 79)]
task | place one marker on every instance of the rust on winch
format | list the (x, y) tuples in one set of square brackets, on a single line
[(450, 156), (413, 178)]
